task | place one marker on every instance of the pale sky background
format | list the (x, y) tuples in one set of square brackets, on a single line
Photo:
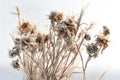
[(103, 12)]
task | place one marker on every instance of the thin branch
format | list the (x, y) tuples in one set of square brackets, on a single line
[(102, 75)]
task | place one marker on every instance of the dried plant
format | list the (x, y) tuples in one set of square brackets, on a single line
[(52, 56)]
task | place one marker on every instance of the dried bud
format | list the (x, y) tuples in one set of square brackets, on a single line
[(87, 37), (14, 52), (52, 15), (27, 27), (39, 38), (17, 40), (46, 38), (27, 40), (59, 17), (24, 25), (15, 64), (106, 31)]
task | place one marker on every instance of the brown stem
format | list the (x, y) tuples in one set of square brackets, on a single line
[(81, 57), (88, 59)]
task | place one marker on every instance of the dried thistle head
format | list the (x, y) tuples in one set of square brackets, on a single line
[(71, 26), (17, 40), (39, 38), (102, 41), (87, 37), (62, 26), (14, 52), (62, 30), (16, 64), (27, 27), (92, 50), (55, 16), (24, 41), (59, 17), (106, 31)]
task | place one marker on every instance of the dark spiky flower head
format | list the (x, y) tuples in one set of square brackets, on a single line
[(92, 50), (87, 37), (55, 16)]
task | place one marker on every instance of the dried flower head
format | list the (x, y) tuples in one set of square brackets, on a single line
[(14, 52), (59, 17), (17, 40), (15, 64), (39, 38), (70, 22), (55, 16), (62, 26), (106, 31), (92, 50), (24, 25), (27, 27), (102, 41), (24, 41), (87, 37), (71, 26)]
